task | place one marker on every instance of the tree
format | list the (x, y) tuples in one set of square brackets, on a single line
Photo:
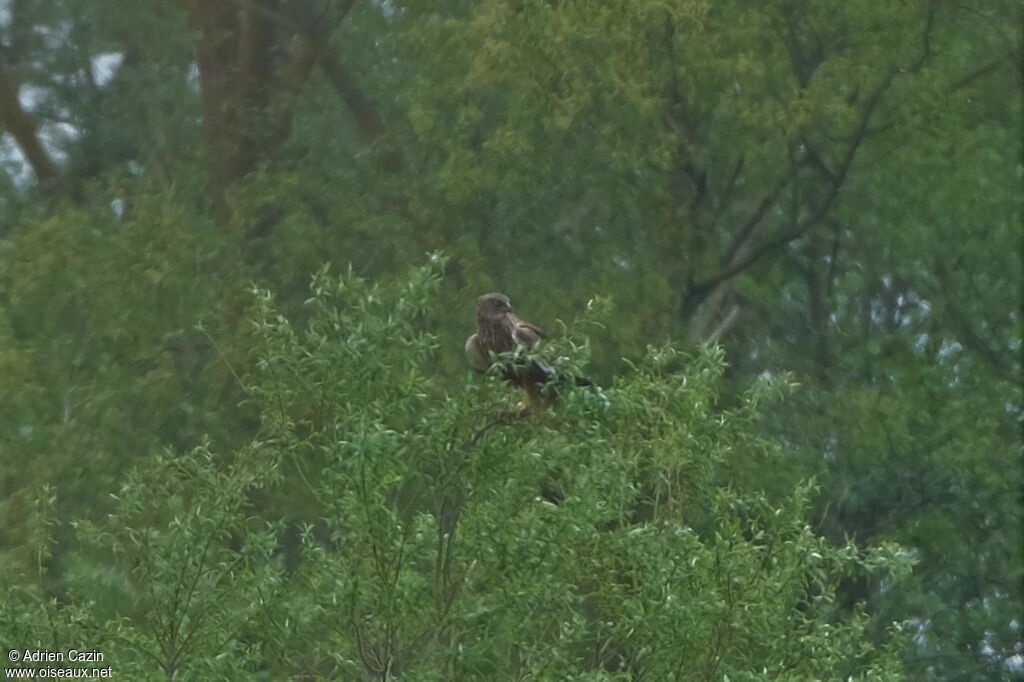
[(428, 547)]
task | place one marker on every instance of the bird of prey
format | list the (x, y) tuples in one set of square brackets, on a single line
[(499, 331)]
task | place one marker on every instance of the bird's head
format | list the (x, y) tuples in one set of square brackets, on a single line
[(493, 306)]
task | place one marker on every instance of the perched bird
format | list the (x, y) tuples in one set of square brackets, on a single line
[(499, 330)]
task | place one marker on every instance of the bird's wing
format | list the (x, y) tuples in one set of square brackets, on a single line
[(479, 358), (526, 334)]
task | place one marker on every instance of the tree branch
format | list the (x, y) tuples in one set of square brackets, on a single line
[(740, 257), (23, 128), (368, 120), (725, 325), (730, 187), (980, 72), (217, 55), (738, 265), (288, 85), (309, 28), (742, 239), (970, 338), (255, 40), (708, 291)]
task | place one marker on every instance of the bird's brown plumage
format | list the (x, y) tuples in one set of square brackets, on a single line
[(499, 330)]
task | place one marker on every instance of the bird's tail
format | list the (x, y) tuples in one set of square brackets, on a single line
[(542, 381), (555, 381)]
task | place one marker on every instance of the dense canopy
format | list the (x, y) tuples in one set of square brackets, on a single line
[(240, 246)]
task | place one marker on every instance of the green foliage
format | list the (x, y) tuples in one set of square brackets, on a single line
[(831, 191), (446, 535)]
